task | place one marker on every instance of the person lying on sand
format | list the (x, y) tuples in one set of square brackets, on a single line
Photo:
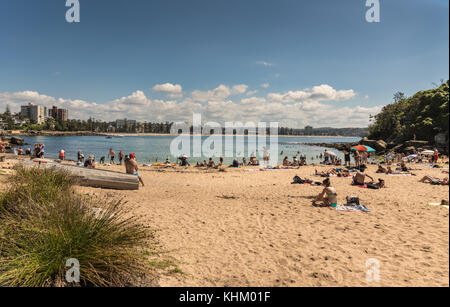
[(343, 173), (328, 196), (376, 185), (360, 177), (299, 180), (131, 167), (434, 181), (325, 173), (382, 170)]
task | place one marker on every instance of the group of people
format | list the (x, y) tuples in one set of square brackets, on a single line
[(130, 162), (294, 162)]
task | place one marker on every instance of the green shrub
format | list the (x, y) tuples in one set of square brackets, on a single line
[(44, 222)]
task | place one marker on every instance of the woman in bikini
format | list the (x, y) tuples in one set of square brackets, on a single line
[(328, 196), (434, 181)]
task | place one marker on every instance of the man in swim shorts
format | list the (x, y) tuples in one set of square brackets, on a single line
[(131, 167)]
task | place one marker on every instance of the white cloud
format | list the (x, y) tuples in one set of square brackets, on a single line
[(172, 90), (239, 89), (168, 88), (251, 93), (301, 107), (267, 64), (265, 85), (317, 93)]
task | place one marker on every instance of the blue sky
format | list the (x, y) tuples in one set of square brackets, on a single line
[(121, 49)]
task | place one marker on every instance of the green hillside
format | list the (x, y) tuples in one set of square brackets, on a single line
[(421, 116)]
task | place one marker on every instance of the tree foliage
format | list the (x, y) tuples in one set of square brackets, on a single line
[(421, 116)]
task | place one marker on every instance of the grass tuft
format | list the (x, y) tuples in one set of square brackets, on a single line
[(44, 222)]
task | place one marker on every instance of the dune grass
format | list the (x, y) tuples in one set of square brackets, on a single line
[(44, 222)]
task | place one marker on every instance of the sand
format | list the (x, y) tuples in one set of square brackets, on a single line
[(240, 228)]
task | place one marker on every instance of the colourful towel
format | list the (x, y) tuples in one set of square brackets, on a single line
[(360, 186), (348, 208)]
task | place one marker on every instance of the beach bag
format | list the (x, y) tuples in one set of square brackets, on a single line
[(298, 180), (352, 200)]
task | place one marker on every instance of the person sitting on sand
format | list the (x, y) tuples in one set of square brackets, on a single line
[(328, 196), (434, 181), (295, 162), (90, 162), (404, 167), (253, 161), (286, 161), (211, 163), (360, 177), (244, 161), (131, 167), (102, 160)]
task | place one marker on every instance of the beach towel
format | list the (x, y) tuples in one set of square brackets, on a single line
[(360, 186), (350, 208), (398, 175), (438, 204)]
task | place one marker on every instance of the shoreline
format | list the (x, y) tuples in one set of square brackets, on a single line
[(90, 133)]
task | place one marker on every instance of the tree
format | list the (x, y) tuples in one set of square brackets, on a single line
[(423, 115)]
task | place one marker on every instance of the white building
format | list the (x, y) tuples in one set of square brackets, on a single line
[(35, 113)]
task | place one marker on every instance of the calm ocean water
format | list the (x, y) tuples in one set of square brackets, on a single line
[(157, 148)]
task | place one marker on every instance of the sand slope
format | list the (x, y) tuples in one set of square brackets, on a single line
[(240, 228)]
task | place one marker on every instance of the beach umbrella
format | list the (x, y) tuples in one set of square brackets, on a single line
[(363, 148), (427, 153)]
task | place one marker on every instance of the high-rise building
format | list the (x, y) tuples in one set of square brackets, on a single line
[(121, 123), (34, 112), (308, 130), (63, 115), (60, 115)]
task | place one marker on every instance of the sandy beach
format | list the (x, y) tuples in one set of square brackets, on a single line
[(254, 228)]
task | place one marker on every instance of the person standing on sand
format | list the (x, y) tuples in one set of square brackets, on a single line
[(62, 155), (121, 156), (326, 156), (347, 158), (112, 155), (357, 159), (131, 167), (435, 155)]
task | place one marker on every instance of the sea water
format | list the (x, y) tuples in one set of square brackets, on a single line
[(156, 148)]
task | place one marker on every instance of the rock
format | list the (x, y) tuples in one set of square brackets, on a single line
[(397, 148), (409, 150), (17, 141), (379, 145), (416, 143)]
